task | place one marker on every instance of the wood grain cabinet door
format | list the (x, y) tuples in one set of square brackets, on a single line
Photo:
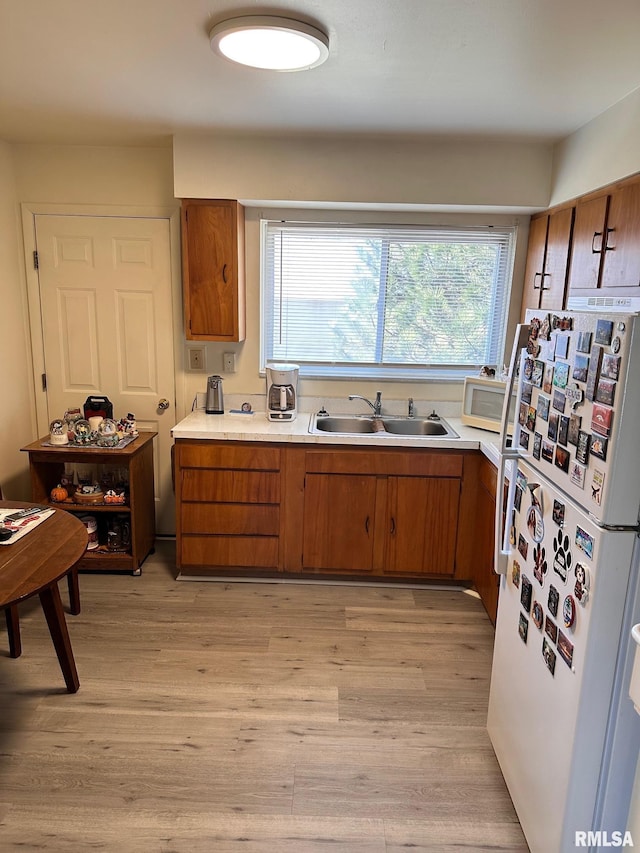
[(587, 243), (556, 264), (213, 270), (535, 263), (422, 525), (339, 520), (621, 264)]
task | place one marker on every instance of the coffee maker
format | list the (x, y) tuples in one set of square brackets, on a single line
[(282, 391)]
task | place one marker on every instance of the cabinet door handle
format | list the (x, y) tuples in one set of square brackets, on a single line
[(393, 526), (544, 275), (607, 247), (224, 273), (536, 286), (366, 525), (593, 243)]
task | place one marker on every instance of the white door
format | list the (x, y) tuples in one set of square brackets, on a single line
[(107, 324)]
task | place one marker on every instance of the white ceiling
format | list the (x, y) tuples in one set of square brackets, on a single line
[(138, 71)]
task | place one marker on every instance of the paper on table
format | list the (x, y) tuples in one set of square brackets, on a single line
[(24, 525)]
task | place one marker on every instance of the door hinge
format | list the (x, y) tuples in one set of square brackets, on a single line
[(44, 381), (36, 262)]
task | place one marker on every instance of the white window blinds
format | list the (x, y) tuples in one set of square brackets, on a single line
[(396, 301)]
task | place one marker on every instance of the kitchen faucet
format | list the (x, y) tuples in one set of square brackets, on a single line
[(377, 406)]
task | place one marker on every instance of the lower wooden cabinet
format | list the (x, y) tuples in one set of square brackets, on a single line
[(247, 506), (485, 580)]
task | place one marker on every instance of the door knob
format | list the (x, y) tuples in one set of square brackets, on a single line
[(163, 404)]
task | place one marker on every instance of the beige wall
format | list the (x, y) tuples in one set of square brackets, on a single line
[(606, 149), (17, 422)]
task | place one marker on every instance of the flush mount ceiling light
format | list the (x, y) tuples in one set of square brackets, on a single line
[(277, 44)]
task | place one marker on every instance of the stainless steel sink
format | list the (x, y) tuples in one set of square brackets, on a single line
[(362, 425)]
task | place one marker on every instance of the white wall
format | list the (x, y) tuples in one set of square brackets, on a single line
[(603, 151), (339, 170), (17, 421)]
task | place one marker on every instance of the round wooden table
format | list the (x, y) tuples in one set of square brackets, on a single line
[(33, 566)]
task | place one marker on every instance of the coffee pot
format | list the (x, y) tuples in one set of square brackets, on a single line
[(282, 391)]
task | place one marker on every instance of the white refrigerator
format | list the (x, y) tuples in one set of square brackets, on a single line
[(560, 719)]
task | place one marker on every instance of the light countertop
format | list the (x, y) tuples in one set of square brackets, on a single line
[(256, 427)]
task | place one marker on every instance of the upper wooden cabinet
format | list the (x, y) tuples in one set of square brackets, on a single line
[(606, 243), (545, 275), (213, 270)]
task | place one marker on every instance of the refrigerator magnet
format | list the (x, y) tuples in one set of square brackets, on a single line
[(562, 556), (577, 473), (583, 342), (595, 360), (522, 415), (534, 330), (597, 485), (524, 439), (583, 583), (562, 346), (615, 344), (564, 324), (523, 546), (547, 381), (535, 524), (547, 451), (515, 574), (531, 419), (563, 430), (565, 650), (574, 394), (561, 375), (549, 656), (527, 391), (575, 422), (553, 601), (528, 369), (582, 448), (539, 564), (517, 498), (558, 513), (544, 332), (523, 627), (598, 446), (551, 629), (604, 332), (542, 407), (580, 367), (526, 593), (610, 368), (537, 614), (538, 373), (568, 611), (584, 541), (601, 419), (537, 445), (605, 391), (562, 459), (552, 426), (521, 480), (559, 401)]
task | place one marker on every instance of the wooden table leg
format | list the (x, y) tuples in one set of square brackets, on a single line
[(74, 590), (54, 613), (13, 629)]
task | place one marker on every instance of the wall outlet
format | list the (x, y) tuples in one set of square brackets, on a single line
[(197, 359), (229, 362)]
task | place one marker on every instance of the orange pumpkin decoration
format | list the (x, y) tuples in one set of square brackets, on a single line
[(59, 494)]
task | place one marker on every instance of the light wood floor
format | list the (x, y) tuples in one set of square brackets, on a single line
[(252, 718)]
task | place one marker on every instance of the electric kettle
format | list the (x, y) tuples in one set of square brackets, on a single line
[(214, 403)]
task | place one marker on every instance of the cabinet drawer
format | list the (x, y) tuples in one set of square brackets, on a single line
[(227, 455), (259, 520), (225, 551), (436, 464), (232, 486), (488, 477)]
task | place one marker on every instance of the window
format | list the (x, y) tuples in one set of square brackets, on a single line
[(386, 302)]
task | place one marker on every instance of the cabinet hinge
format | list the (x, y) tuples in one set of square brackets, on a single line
[(36, 262)]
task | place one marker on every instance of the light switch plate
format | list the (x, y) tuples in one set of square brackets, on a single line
[(229, 362), (197, 360)]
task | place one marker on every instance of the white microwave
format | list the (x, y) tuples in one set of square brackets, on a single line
[(482, 403)]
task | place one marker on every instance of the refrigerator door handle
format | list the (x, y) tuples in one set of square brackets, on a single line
[(502, 519)]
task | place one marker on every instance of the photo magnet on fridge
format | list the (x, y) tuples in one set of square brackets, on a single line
[(568, 611), (523, 546), (583, 583), (605, 391), (598, 446), (538, 372), (574, 428), (515, 574), (523, 627), (580, 367), (593, 374), (542, 407), (597, 485), (552, 427), (553, 601), (577, 473), (531, 419), (601, 419), (582, 449), (565, 649), (537, 614), (528, 369), (522, 414), (562, 346), (561, 375), (526, 593), (563, 430), (562, 459), (584, 542), (524, 439), (547, 382), (610, 367), (537, 445), (604, 332), (549, 655), (527, 391), (547, 451), (551, 629), (558, 513), (517, 498), (583, 343), (559, 401)]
